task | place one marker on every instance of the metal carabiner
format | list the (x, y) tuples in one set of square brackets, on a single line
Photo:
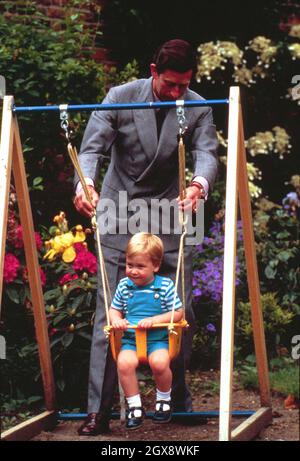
[(64, 117), (181, 117)]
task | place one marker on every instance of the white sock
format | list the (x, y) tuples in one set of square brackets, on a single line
[(166, 396), (135, 401)]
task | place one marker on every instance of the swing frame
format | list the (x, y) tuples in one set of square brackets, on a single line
[(11, 160)]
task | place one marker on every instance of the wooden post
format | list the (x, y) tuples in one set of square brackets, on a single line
[(14, 151), (252, 272), (29, 429), (6, 142), (237, 181), (229, 269)]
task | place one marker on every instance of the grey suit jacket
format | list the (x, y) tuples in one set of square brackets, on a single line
[(142, 166)]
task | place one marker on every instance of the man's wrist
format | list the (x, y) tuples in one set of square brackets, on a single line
[(200, 188), (88, 181)]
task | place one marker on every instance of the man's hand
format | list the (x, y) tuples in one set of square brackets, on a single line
[(193, 193), (82, 205)]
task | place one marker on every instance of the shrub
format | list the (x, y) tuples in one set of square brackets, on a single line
[(275, 319), (70, 302), (277, 237), (45, 66), (68, 272)]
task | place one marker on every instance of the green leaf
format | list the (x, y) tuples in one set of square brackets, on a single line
[(55, 341), (52, 230), (61, 384), (89, 298), (283, 235), (270, 272), (76, 286), (13, 294), (284, 255), (34, 399), (60, 301), (78, 301), (81, 324), (67, 339), (59, 318), (84, 335), (52, 294)]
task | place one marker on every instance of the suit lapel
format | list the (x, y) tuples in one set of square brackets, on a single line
[(168, 140), (145, 121)]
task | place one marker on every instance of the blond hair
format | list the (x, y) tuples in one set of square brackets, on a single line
[(144, 242)]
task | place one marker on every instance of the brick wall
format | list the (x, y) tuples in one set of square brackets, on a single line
[(55, 11)]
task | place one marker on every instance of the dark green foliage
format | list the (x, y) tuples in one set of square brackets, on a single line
[(49, 66), (46, 66)]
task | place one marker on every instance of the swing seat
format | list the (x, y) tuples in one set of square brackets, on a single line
[(175, 335)]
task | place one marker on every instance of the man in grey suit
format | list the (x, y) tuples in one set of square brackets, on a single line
[(144, 166)]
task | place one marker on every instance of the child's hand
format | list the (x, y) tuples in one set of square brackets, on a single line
[(146, 323), (120, 324)]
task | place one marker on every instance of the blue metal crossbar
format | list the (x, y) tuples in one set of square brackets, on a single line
[(192, 414), (123, 106)]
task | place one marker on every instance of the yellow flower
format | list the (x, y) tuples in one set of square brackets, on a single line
[(80, 235), (295, 50), (295, 31), (64, 241)]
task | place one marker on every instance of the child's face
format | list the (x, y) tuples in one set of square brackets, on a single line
[(140, 269)]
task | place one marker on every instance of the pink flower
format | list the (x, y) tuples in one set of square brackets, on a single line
[(85, 260), (79, 247), (38, 240), (11, 266), (67, 278), (18, 242), (43, 276), (18, 237)]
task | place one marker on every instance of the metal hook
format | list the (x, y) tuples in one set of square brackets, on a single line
[(64, 117), (181, 117)]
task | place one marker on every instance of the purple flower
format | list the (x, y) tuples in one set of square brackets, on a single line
[(291, 202), (197, 292), (211, 328), (208, 279)]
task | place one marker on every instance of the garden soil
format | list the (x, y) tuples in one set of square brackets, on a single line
[(284, 427)]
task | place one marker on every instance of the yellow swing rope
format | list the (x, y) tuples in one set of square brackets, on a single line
[(104, 278), (183, 222), (72, 151)]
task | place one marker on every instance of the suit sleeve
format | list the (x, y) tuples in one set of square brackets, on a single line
[(203, 147), (99, 135)]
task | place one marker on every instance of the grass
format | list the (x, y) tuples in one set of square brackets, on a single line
[(284, 376), (286, 381)]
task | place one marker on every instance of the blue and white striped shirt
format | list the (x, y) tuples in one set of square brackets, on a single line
[(161, 287)]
